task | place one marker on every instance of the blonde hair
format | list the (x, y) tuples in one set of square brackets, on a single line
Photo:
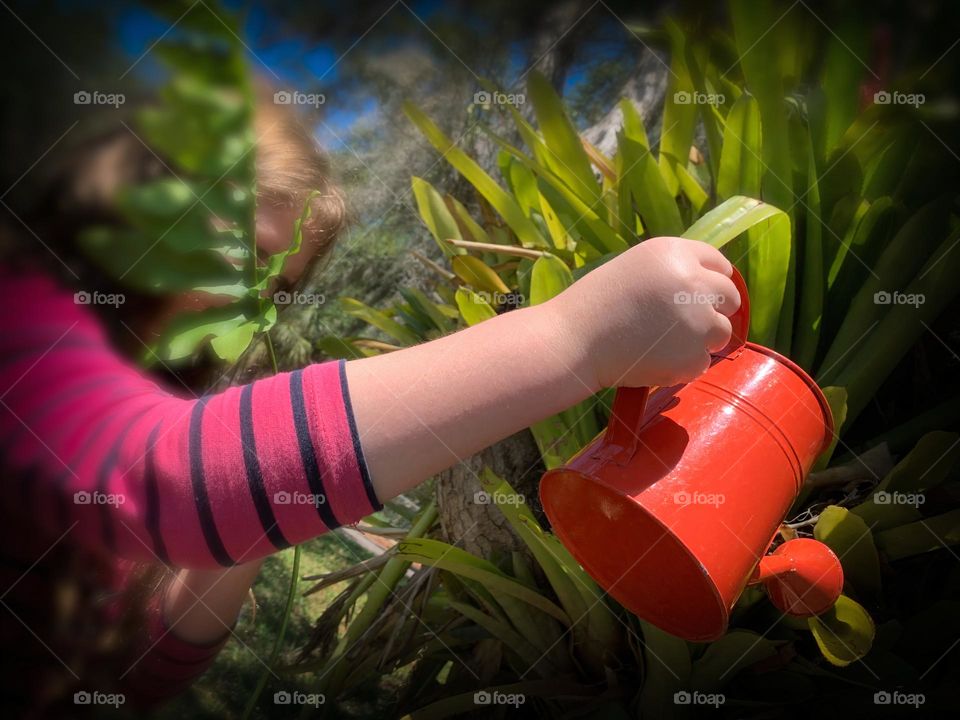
[(291, 166)]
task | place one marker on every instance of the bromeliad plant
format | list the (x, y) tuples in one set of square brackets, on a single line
[(814, 199)]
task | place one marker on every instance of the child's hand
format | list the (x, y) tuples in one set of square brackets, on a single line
[(652, 315)]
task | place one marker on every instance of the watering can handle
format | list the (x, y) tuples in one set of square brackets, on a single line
[(629, 403)]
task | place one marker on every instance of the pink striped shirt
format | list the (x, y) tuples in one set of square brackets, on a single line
[(123, 468)]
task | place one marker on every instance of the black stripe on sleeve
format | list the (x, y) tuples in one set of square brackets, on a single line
[(103, 481), (357, 448), (307, 454), (207, 524), (152, 510), (254, 474)]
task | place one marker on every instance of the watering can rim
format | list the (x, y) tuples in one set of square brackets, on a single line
[(691, 556)]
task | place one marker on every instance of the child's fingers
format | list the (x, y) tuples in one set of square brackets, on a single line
[(727, 296), (720, 334), (711, 258)]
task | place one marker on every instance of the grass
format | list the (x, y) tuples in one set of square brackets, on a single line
[(225, 688)]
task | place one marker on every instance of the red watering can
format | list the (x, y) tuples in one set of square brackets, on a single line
[(673, 507)]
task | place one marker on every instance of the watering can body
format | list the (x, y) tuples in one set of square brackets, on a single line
[(673, 507)]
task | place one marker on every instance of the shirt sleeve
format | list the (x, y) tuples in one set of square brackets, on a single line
[(130, 468)]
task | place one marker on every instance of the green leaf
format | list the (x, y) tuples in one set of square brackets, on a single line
[(379, 320), (837, 400), (723, 659), (501, 201), (230, 345), (473, 307), (679, 117), (190, 330), (476, 273), (666, 660), (926, 466), (436, 216), (637, 168), (567, 158), (927, 535), (550, 277), (741, 168), (845, 633), (142, 263), (769, 255), (436, 553), (850, 538)]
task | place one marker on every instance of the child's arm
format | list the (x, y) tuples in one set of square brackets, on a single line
[(425, 408)]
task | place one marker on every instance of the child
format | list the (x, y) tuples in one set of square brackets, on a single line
[(111, 467)]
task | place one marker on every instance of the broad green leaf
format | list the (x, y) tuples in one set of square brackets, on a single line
[(529, 655), (470, 229), (927, 535), (379, 320), (338, 347), (550, 277), (476, 273), (473, 307), (436, 216), (845, 633), (926, 466), (567, 157), (501, 201), (741, 167), (231, 345), (142, 263), (692, 189), (666, 660), (759, 47), (883, 345), (190, 330), (723, 659), (812, 274), (436, 553), (679, 111), (579, 218), (769, 255), (655, 203), (897, 265), (850, 538), (427, 309), (837, 400)]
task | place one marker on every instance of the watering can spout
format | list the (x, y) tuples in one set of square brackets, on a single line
[(803, 577)]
